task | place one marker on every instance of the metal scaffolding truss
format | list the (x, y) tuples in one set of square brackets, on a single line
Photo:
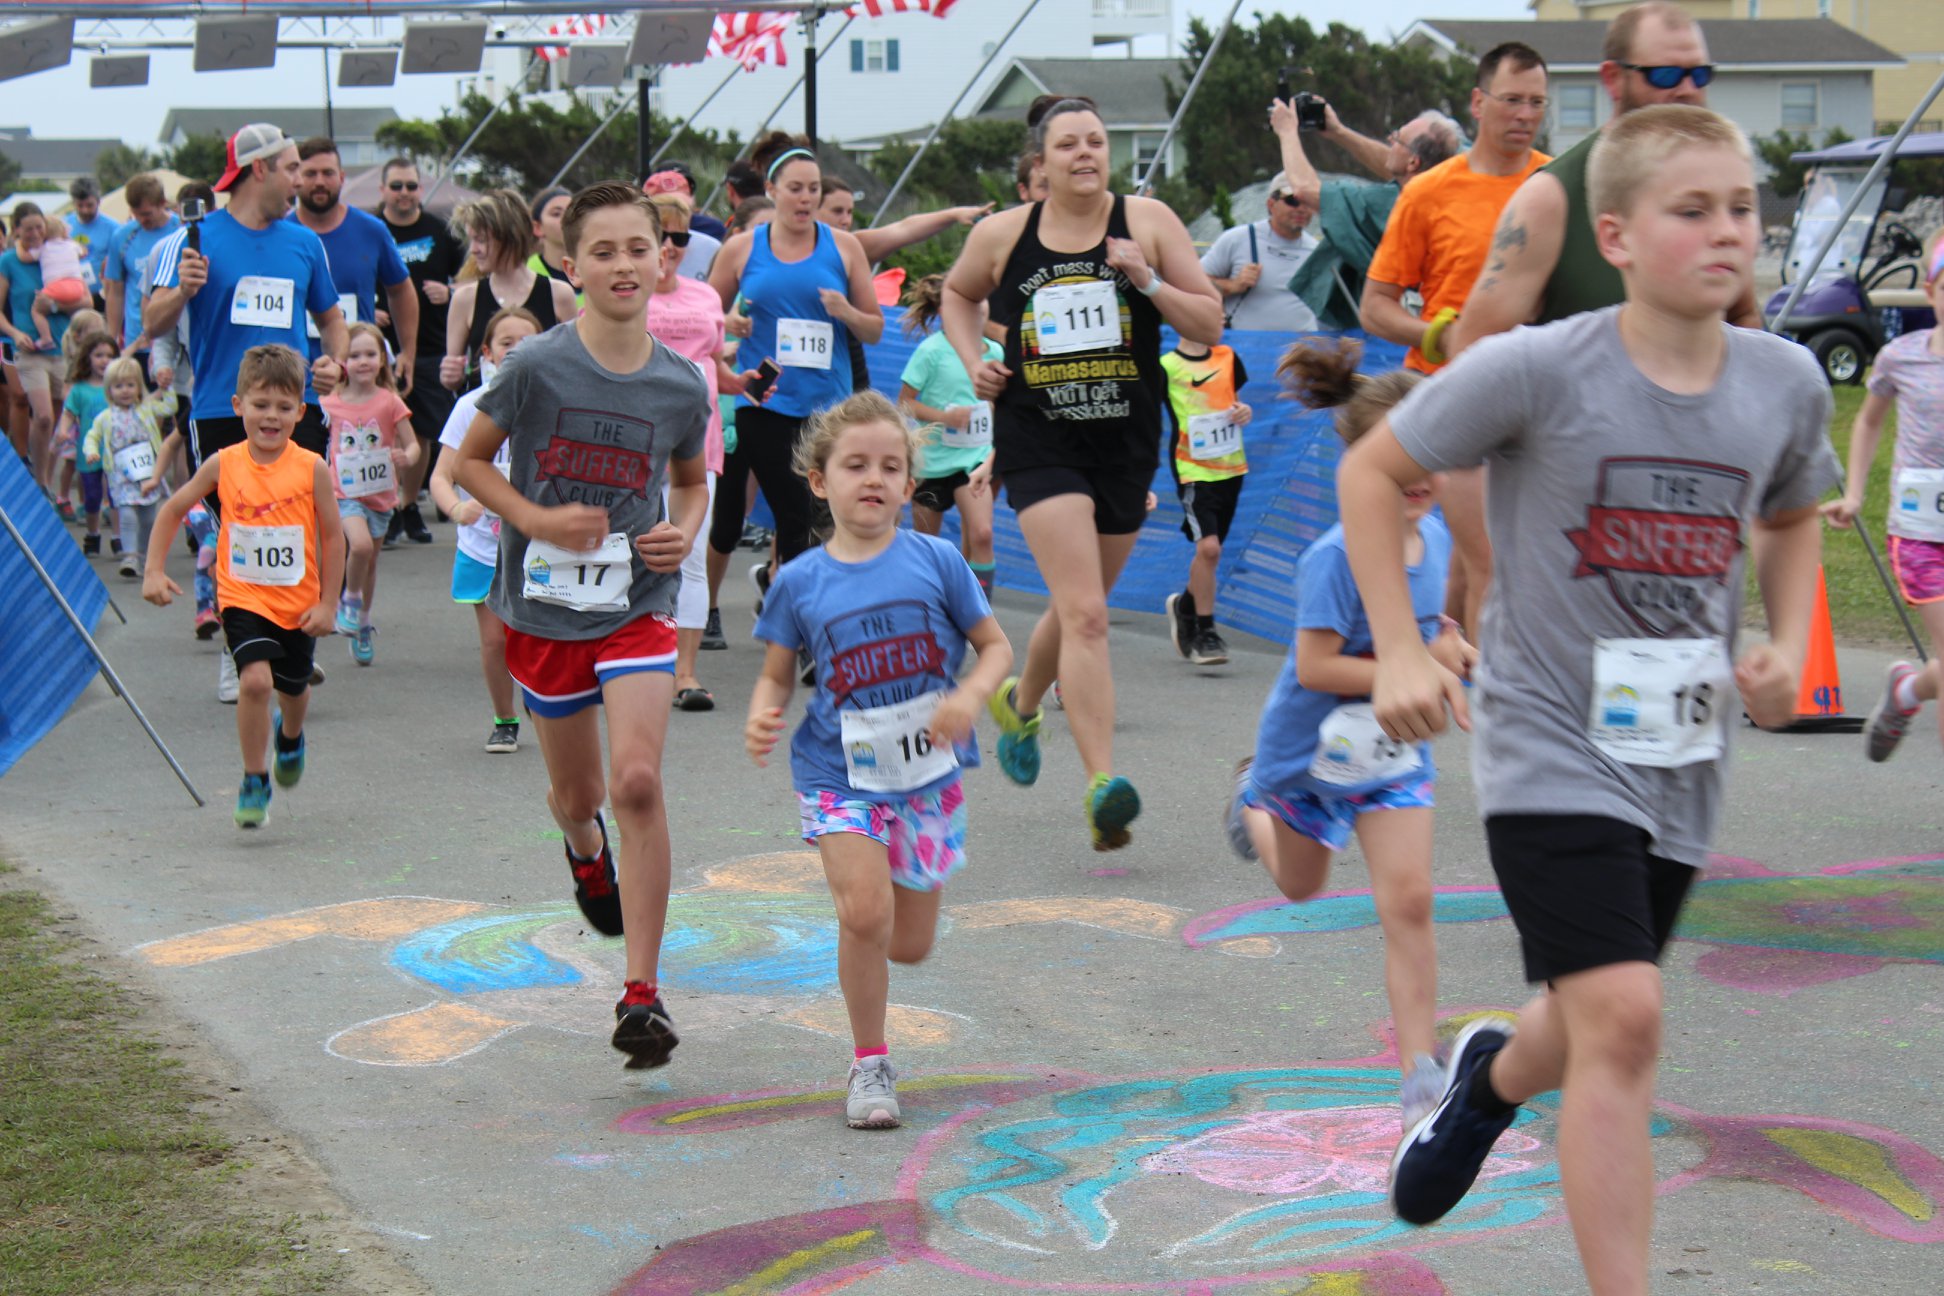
[(509, 31)]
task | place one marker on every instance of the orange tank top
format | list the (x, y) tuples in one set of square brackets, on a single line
[(266, 551)]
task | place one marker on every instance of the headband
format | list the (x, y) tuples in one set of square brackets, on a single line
[(1936, 265), (785, 156)]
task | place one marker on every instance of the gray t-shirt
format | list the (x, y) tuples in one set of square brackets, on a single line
[(1269, 305), (1617, 510), (579, 434)]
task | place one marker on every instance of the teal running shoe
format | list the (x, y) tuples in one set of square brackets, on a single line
[(1111, 804), (253, 801), (1019, 753)]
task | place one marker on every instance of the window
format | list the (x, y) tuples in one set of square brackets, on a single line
[(1147, 153), (1822, 8), (1576, 107), (1754, 8), (874, 55), (1800, 106)]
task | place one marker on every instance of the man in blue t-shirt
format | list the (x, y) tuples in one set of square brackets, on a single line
[(150, 221), (361, 251), (93, 231), (255, 279)]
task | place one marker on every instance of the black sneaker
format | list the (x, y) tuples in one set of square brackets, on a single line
[(712, 639), (114, 545), (1210, 649), (414, 524), (91, 546), (395, 529), (759, 576), (1440, 1156), (1181, 622), (597, 888), (505, 737), (643, 1029)]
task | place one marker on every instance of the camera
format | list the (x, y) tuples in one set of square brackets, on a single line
[(192, 216), (1309, 111)]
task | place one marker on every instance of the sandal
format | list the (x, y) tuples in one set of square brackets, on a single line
[(694, 699)]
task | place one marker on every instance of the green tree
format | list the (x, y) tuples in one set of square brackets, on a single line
[(1786, 176), (1225, 137), (971, 161), (118, 163), (200, 157), (9, 175)]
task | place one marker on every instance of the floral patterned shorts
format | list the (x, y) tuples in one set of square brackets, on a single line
[(924, 835)]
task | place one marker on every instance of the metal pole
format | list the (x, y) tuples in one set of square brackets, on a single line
[(1896, 598), (1849, 208), (644, 127), (445, 167), (810, 76), (669, 143), (1188, 97), (330, 121), (715, 192), (939, 126), (620, 103), (114, 681)]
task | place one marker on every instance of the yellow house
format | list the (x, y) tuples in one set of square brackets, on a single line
[(1913, 28)]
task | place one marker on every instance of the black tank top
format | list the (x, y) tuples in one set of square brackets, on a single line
[(539, 300), (1085, 352)]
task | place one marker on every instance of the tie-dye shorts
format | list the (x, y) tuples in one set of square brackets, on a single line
[(924, 835)]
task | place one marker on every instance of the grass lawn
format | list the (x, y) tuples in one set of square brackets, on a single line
[(110, 1180), (1859, 609)]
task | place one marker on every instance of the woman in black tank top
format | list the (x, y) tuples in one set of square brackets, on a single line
[(1082, 283), (500, 237)]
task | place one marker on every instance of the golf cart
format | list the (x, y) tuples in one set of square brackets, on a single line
[(1856, 302)]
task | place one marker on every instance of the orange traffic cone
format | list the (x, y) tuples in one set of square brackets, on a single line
[(1819, 703)]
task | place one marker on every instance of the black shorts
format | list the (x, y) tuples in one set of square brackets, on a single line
[(1584, 891), (936, 493), (1208, 507), (253, 637), (1119, 494)]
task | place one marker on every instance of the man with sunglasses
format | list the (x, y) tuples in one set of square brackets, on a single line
[(1251, 265), (432, 256)]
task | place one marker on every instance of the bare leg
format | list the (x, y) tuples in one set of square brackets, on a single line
[(718, 568), (860, 886), (1298, 865), (637, 707), (688, 645), (975, 524), (40, 435), (253, 689), (492, 661), (1925, 686), (926, 521), (1201, 574), (1397, 848), (914, 923), (360, 562)]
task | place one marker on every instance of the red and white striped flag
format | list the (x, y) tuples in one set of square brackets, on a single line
[(751, 38), (577, 25), (879, 8)]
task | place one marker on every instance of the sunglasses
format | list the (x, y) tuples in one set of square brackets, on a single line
[(679, 238), (1289, 200), (1667, 76), (403, 186)]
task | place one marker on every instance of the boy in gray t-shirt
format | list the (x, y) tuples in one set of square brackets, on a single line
[(594, 413), (1629, 449)]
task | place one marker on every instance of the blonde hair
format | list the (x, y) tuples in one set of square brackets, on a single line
[(670, 206), (386, 378), (923, 301), (80, 324), (124, 369), (826, 426), (500, 215), (1635, 146), (1326, 377)]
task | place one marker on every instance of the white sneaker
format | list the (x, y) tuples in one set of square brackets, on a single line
[(873, 1101), (225, 677), (1423, 1089)]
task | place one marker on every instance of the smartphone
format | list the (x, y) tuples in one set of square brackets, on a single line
[(192, 214), (1285, 83), (766, 375)]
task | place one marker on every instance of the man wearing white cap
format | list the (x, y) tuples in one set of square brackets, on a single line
[(254, 280), (1251, 264)]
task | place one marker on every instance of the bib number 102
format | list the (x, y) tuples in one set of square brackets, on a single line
[(1694, 704)]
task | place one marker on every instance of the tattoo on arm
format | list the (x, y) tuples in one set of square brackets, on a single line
[(1511, 236)]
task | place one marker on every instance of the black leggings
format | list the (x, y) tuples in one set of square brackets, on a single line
[(766, 441), (731, 508)]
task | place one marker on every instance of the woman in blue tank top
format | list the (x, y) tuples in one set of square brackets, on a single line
[(806, 289)]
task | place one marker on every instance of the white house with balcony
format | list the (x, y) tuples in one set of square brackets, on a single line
[(886, 76)]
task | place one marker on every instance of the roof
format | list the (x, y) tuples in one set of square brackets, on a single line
[(54, 157), (1747, 43), (1129, 92), (45, 200), (297, 123), (1920, 144)]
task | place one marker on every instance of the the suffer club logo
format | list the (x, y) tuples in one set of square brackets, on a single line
[(1662, 532)]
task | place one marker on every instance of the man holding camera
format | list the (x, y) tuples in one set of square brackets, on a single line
[(1251, 265)]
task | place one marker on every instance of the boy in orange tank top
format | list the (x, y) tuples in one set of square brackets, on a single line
[(280, 563)]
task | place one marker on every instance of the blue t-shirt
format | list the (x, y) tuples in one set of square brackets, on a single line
[(362, 254), (278, 272), (1327, 599), (86, 401), (95, 237), (126, 252), (882, 631), (23, 281), (775, 290)]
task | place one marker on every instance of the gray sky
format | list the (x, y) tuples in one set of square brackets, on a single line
[(61, 104)]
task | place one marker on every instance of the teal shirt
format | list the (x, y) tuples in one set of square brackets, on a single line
[(86, 401), (940, 381)]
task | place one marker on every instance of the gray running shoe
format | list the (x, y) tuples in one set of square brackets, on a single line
[(1209, 649), (873, 1100), (1888, 723), (1181, 621), (1238, 831)]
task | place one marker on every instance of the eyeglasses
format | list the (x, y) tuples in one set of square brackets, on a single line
[(1667, 76), (1515, 102), (679, 238), (1288, 200), (403, 186)]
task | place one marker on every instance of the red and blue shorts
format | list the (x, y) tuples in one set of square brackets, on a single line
[(562, 676)]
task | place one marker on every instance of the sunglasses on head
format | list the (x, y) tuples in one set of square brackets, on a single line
[(1667, 76), (401, 186), (679, 238)]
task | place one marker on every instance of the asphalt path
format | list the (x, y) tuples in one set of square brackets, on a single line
[(1123, 1071)]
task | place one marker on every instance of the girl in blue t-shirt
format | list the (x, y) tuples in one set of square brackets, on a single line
[(886, 614), (1322, 766), (88, 359), (955, 449)]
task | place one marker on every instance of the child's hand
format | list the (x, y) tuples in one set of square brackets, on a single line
[(989, 379), (1411, 694), (1153, 501), (401, 458), (468, 512), (452, 371), (316, 621), (663, 548), (1842, 512), (958, 416), (952, 722), (1767, 685), (579, 527), (760, 734), (980, 478), (158, 589), (1240, 414), (1454, 652), (150, 486), (164, 378)]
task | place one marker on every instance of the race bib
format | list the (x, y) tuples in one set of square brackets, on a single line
[(1661, 703), (364, 472), (262, 302), (804, 344), (135, 462), (266, 555), (1352, 748), (975, 435), (889, 748), (1077, 317), (1213, 436), (1917, 504), (347, 303), (589, 580)]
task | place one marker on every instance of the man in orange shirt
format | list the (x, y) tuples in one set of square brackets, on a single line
[(1441, 229)]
